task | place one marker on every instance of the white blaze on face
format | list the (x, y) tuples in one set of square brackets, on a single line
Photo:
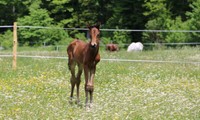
[(94, 33)]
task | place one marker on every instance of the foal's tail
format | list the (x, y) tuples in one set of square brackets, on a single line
[(70, 50), (70, 55)]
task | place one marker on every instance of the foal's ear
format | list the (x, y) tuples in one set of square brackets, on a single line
[(88, 26), (98, 25)]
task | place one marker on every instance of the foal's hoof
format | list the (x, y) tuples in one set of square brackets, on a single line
[(78, 102), (70, 100), (89, 106)]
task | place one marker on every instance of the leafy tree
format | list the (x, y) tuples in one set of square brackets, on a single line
[(193, 20), (158, 16), (10, 10), (127, 14), (179, 8), (176, 37), (87, 13), (60, 10), (35, 36), (161, 18)]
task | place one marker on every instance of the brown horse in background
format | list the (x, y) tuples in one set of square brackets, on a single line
[(112, 47), (85, 56)]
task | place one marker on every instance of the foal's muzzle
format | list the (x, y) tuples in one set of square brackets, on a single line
[(93, 45)]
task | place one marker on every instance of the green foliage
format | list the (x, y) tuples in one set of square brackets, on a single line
[(127, 14), (11, 10), (120, 37), (176, 37), (59, 10), (153, 36), (179, 8), (35, 36), (193, 20), (158, 18), (80, 36), (155, 8), (84, 12), (106, 40), (6, 39)]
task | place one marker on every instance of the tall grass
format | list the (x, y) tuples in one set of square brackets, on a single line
[(40, 88)]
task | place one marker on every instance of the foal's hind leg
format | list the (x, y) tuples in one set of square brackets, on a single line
[(78, 81), (73, 78)]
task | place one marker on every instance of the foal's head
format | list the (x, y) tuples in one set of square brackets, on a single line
[(94, 35)]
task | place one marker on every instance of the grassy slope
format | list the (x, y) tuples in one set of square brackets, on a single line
[(39, 89)]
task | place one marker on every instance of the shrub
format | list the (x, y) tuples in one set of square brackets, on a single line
[(6, 39)]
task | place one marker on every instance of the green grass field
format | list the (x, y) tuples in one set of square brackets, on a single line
[(40, 88)]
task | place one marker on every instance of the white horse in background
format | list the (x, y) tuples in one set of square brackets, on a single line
[(138, 46)]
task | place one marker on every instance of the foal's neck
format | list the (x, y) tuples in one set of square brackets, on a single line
[(93, 51)]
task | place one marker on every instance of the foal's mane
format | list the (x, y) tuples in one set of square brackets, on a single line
[(94, 26)]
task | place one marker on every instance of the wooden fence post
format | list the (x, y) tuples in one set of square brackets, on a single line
[(15, 46)]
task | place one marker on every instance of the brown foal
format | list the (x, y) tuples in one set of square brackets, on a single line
[(85, 56)]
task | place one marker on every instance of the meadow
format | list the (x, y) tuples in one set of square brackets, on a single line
[(40, 87)]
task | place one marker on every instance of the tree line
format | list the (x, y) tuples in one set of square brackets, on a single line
[(112, 14)]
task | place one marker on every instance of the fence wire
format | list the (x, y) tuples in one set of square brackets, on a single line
[(106, 59), (85, 29)]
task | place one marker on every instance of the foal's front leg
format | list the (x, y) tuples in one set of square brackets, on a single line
[(92, 74), (86, 72), (89, 83)]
